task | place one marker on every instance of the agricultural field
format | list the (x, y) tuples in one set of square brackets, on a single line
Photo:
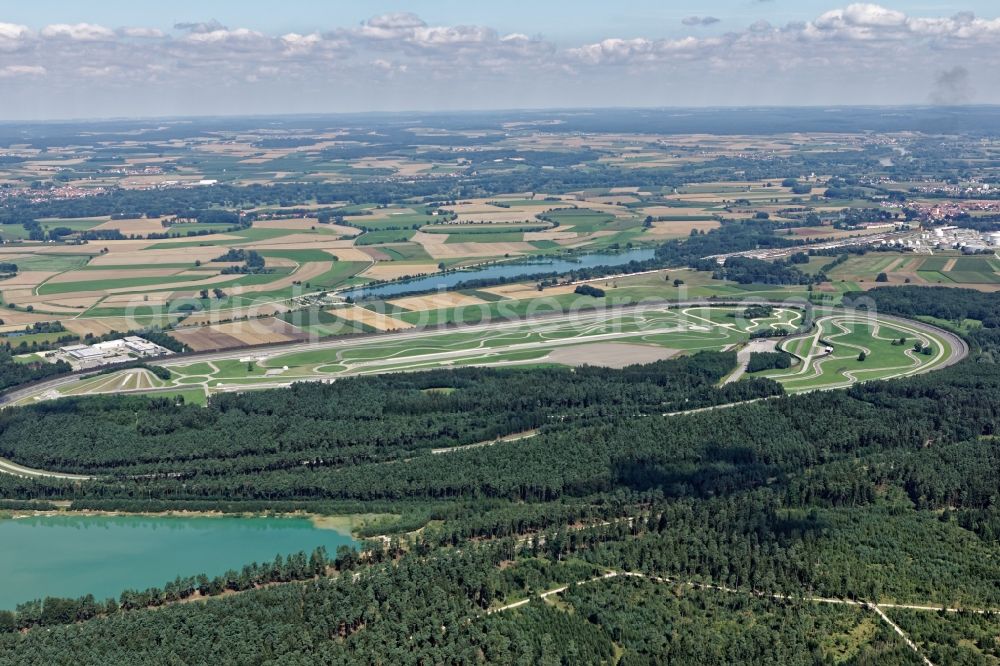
[(613, 338), (141, 277), (942, 269)]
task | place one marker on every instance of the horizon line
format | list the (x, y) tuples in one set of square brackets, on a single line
[(474, 111)]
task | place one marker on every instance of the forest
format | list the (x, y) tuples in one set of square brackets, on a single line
[(730, 523)]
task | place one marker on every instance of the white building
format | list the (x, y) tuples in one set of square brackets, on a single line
[(110, 352)]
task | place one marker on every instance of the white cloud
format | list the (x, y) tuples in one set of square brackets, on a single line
[(99, 72), (296, 44), (862, 24), (140, 33), (84, 32), (873, 47), (223, 35), (13, 37), (396, 21), (200, 26), (22, 70)]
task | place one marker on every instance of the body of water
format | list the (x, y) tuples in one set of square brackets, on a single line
[(507, 271), (71, 556)]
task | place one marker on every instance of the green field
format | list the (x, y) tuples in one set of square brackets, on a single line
[(480, 237), (385, 236), (56, 263), (581, 219), (341, 271), (944, 269), (406, 252), (300, 256), (183, 228)]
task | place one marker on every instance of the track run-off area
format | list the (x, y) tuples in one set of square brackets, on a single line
[(825, 356)]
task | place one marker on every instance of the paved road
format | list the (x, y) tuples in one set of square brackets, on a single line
[(743, 357), (10, 467)]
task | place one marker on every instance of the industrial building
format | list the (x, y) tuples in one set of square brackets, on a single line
[(130, 348)]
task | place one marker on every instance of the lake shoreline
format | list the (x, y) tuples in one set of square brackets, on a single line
[(345, 524)]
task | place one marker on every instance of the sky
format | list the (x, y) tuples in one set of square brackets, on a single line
[(70, 59)]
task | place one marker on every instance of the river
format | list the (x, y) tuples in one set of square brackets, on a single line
[(505, 271), (71, 556)]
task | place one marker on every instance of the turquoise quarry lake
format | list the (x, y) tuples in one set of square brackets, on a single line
[(70, 556)]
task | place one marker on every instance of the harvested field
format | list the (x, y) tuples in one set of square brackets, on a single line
[(261, 331), (238, 333), (341, 230), (502, 215), (185, 241), (101, 326), (155, 298), (205, 338), (26, 279), (137, 226), (59, 249), (893, 265), (670, 211), (113, 274), (401, 167), (75, 305), (211, 316), (609, 354), (180, 286), (521, 291), (273, 262), (613, 200), (396, 270), (15, 317), (317, 242), (19, 294), (350, 254), (375, 320), (291, 239), (139, 257), (381, 214), (376, 254), (680, 229), (549, 235), (437, 247), (295, 223), (437, 301), (72, 302)]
